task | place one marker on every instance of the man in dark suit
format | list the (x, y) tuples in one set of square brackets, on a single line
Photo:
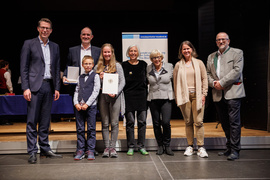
[(76, 53), (40, 75)]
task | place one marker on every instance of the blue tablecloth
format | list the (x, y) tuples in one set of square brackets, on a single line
[(17, 105)]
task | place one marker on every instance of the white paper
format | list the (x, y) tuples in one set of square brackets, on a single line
[(72, 74), (110, 83)]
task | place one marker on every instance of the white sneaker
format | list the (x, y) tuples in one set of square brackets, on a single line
[(202, 152), (189, 151)]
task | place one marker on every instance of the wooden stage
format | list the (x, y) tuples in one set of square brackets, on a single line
[(66, 132)]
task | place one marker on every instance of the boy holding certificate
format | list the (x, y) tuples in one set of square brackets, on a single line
[(85, 102)]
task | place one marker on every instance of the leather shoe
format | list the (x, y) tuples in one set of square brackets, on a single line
[(227, 152), (233, 156), (50, 154), (33, 158), (169, 151)]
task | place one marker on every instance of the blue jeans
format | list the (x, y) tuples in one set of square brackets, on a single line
[(90, 116)]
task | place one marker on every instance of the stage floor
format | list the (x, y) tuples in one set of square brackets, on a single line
[(253, 164), (67, 131)]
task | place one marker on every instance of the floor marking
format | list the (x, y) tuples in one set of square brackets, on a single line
[(165, 167), (155, 166)]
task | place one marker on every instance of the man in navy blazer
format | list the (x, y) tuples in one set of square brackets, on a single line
[(40, 75), (76, 53)]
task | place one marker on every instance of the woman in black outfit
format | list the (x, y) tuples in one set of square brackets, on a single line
[(135, 92)]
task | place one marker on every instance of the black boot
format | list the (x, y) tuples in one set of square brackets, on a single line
[(169, 151), (160, 150)]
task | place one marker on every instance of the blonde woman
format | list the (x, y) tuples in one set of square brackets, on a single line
[(160, 96), (190, 87), (110, 105)]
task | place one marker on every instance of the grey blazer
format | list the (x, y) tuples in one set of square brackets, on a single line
[(231, 77), (161, 87)]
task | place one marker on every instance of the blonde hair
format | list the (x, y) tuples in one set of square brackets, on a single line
[(87, 57), (101, 61), (155, 53)]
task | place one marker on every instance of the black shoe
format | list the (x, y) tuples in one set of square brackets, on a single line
[(169, 151), (50, 154), (33, 158), (96, 153), (233, 156), (160, 150), (227, 152)]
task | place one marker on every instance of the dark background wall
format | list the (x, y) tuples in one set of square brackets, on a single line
[(199, 21)]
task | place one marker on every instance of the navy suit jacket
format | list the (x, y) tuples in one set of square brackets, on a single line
[(74, 56), (33, 65)]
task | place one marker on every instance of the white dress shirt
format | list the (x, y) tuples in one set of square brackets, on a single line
[(47, 58), (218, 63), (84, 52)]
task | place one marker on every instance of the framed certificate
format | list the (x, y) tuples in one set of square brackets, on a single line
[(72, 75), (110, 83)]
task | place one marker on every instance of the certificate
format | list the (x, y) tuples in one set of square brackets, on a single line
[(72, 75), (110, 83)]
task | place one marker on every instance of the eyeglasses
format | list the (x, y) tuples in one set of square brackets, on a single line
[(222, 39), (44, 28), (158, 57)]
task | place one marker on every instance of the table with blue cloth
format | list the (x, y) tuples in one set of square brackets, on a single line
[(17, 106)]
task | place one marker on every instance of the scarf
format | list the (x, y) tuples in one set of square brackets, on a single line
[(181, 87)]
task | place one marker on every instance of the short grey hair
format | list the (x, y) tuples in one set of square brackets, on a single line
[(134, 45)]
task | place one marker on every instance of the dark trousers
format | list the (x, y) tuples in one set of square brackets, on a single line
[(39, 111), (141, 119), (229, 116), (90, 116), (161, 115)]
